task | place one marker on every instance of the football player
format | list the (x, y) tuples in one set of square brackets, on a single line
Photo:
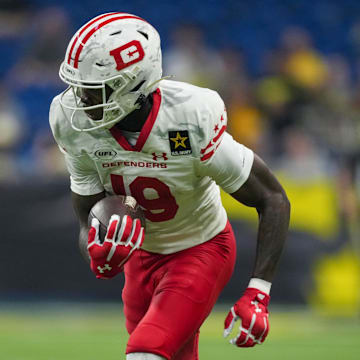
[(124, 129)]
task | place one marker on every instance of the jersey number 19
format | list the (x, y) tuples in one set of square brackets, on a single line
[(162, 208)]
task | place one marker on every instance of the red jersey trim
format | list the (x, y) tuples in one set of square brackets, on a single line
[(120, 138), (208, 155), (222, 130), (146, 129), (215, 141)]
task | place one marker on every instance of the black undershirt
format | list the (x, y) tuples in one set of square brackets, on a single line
[(137, 118)]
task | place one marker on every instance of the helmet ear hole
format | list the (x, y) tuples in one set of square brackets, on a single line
[(146, 36)]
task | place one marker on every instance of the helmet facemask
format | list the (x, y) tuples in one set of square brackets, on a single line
[(121, 102)]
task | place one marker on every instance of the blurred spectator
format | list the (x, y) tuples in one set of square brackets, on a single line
[(234, 75), (48, 160), (302, 62), (295, 77), (12, 130), (14, 17), (34, 81), (245, 120), (45, 50), (303, 160), (276, 101), (190, 59)]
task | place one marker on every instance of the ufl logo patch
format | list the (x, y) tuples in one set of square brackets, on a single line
[(179, 142), (106, 154)]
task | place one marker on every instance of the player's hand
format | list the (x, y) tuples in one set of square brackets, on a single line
[(251, 308), (122, 238)]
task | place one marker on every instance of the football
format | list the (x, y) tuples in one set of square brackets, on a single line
[(115, 204)]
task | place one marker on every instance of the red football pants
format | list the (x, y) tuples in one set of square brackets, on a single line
[(167, 297)]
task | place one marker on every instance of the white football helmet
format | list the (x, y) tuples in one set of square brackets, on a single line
[(118, 50)]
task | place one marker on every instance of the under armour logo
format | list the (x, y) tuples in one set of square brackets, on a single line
[(257, 308), (102, 269), (155, 156)]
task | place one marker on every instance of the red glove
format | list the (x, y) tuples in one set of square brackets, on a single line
[(122, 238), (251, 308)]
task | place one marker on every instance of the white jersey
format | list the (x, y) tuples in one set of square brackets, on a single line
[(181, 157)]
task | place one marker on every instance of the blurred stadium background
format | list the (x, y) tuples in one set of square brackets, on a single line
[(289, 72)]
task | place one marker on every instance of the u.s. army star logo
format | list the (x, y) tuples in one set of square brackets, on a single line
[(179, 142)]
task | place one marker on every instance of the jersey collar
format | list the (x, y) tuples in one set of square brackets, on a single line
[(146, 129)]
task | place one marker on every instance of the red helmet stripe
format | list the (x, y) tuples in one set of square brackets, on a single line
[(91, 32), (86, 26)]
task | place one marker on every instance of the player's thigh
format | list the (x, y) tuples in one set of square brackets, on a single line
[(137, 292), (183, 298), (167, 326), (189, 351)]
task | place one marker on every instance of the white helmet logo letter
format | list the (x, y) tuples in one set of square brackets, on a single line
[(128, 54)]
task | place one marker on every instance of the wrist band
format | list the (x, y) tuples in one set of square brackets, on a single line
[(260, 284)]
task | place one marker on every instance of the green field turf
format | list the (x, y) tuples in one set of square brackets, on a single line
[(96, 332)]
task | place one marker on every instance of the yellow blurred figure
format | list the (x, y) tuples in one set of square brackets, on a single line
[(307, 69), (302, 62), (337, 284), (246, 125)]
